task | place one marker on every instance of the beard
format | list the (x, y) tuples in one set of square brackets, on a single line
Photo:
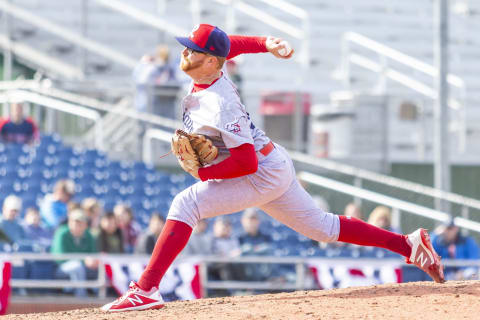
[(186, 65)]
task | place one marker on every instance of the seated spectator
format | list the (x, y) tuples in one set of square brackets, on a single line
[(17, 128), (109, 238), (54, 206), (200, 242), (34, 231), (9, 224), (381, 217), (254, 242), (451, 244), (74, 237), (93, 210), (146, 242), (352, 210), (224, 245), (129, 227)]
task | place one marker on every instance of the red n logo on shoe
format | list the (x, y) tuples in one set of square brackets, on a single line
[(136, 299)]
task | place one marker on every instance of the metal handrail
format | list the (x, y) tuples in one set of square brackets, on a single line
[(386, 180), (45, 61), (400, 57), (35, 98), (303, 33), (391, 202), (143, 17), (465, 202), (300, 270), (73, 37), (385, 72)]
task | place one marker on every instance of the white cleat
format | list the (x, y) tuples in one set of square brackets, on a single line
[(424, 256), (136, 299)]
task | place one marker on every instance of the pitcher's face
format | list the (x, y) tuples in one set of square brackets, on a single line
[(192, 60)]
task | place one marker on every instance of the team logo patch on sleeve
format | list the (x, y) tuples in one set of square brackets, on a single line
[(236, 125)]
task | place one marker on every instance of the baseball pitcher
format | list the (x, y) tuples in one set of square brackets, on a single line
[(240, 167)]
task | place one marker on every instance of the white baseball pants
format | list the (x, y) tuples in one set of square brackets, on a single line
[(273, 189)]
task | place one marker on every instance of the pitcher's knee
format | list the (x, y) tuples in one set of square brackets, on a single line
[(184, 208)]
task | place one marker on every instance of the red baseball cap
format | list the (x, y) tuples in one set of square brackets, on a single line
[(207, 38)]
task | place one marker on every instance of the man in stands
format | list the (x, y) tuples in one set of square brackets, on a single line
[(54, 205), (9, 224), (74, 237), (17, 128)]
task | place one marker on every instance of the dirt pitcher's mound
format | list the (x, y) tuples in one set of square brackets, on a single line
[(415, 300)]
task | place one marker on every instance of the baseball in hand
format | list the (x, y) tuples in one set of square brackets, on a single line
[(285, 51)]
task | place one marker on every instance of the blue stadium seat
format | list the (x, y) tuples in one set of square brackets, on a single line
[(53, 138)]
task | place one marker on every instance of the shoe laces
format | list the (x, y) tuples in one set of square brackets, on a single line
[(132, 288)]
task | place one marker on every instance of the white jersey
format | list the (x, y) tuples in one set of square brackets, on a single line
[(218, 113)]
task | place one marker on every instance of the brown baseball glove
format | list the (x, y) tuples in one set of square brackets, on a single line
[(193, 151)]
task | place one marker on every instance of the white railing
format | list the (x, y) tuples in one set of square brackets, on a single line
[(45, 61), (58, 105), (301, 264), (357, 173), (143, 17), (385, 71), (397, 205), (360, 174), (302, 34), (64, 33)]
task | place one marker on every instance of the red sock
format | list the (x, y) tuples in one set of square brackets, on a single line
[(356, 231), (172, 240)]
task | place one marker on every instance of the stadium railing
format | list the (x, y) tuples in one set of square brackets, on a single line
[(457, 102), (73, 37), (300, 283)]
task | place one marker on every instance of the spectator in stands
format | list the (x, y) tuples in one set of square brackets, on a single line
[(254, 242), (353, 210), (451, 244), (154, 71), (110, 238), (129, 227), (224, 245), (74, 237), (381, 217), (146, 242), (93, 210), (17, 128), (34, 231), (200, 242), (9, 224), (54, 206)]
